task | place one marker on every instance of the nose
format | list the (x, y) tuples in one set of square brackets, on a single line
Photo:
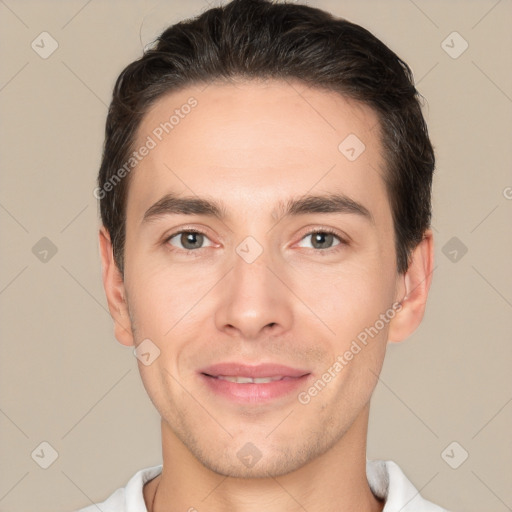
[(254, 301)]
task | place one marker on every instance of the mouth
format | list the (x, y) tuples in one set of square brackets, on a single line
[(245, 383), (249, 380)]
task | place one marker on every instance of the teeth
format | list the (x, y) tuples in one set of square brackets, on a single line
[(248, 380)]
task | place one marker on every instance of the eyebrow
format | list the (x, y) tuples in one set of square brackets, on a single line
[(189, 205)]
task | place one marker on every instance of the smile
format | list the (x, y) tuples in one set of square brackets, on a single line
[(243, 383), (249, 380)]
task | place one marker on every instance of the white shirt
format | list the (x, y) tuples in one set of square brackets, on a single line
[(385, 478)]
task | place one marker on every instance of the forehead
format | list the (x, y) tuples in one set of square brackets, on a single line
[(270, 139)]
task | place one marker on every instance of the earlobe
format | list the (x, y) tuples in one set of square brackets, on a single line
[(115, 290), (416, 284)]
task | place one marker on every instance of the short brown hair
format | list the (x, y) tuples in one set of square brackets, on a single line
[(259, 39)]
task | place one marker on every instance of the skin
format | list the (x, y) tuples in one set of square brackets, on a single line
[(252, 145)]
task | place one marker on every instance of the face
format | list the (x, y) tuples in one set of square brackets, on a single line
[(259, 248)]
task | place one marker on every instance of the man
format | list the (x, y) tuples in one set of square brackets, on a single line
[(265, 199)]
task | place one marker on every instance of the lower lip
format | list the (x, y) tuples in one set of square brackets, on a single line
[(249, 392)]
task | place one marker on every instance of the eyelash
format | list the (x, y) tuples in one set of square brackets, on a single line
[(330, 231)]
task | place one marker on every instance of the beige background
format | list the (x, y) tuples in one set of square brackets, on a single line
[(66, 381)]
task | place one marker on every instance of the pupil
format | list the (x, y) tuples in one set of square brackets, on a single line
[(322, 239), (191, 240)]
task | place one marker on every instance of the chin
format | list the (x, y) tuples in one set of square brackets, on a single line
[(266, 467), (249, 461)]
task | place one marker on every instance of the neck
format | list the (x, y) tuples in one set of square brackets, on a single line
[(333, 481)]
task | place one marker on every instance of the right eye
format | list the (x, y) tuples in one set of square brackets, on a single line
[(189, 240)]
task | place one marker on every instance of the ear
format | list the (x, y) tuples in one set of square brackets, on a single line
[(115, 291), (412, 290)]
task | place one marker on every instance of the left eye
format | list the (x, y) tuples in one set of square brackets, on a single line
[(322, 240), (189, 240)]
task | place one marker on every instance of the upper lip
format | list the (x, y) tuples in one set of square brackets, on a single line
[(253, 371)]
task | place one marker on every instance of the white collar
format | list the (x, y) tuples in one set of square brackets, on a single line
[(385, 478)]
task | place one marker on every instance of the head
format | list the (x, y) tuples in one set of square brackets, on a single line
[(272, 121)]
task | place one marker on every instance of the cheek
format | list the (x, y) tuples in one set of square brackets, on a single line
[(160, 295), (348, 299)]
